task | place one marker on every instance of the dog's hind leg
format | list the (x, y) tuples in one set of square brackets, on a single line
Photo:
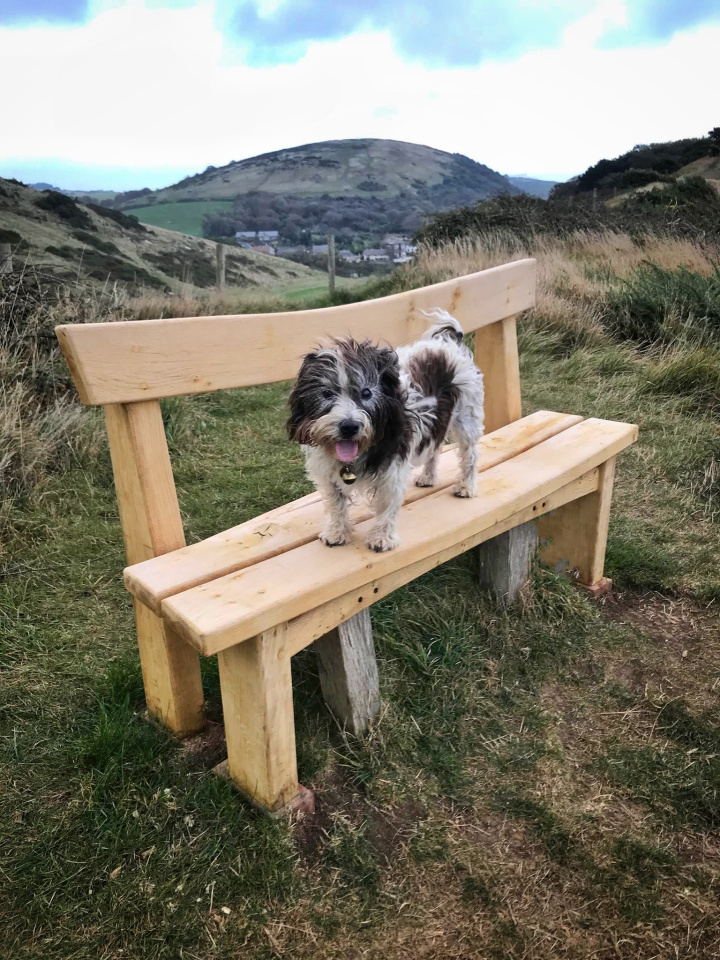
[(467, 429), (428, 475)]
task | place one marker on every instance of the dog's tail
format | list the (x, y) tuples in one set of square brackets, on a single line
[(445, 326), (433, 394)]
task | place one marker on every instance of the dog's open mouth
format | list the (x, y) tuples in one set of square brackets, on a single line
[(346, 450)]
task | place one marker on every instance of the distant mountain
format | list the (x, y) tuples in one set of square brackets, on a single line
[(68, 240), (536, 188), (349, 187)]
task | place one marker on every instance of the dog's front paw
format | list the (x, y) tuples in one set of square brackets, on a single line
[(463, 490), (382, 542), (334, 538)]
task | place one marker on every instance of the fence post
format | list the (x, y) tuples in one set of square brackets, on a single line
[(331, 263), (220, 265), (6, 264)]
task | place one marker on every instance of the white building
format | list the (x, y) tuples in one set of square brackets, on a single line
[(376, 255)]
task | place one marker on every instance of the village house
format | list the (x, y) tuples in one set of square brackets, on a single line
[(349, 256), (375, 255)]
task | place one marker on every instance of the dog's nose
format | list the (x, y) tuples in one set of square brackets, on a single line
[(349, 429)]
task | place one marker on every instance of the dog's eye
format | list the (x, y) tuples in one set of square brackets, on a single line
[(328, 394), (366, 393)]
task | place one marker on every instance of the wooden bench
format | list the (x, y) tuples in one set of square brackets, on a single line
[(258, 593)]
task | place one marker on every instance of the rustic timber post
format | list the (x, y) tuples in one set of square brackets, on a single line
[(151, 525), (349, 674), (505, 560), (575, 535), (331, 263), (256, 689), (6, 264), (220, 265)]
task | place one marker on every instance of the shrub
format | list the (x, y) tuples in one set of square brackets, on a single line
[(655, 305), (66, 208), (121, 219)]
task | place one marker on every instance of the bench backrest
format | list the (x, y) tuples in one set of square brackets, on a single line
[(128, 367)]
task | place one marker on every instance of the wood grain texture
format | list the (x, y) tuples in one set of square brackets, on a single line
[(349, 674), (256, 688), (297, 523), (305, 629), (149, 359), (151, 523), (505, 562), (577, 534), (496, 354), (235, 607)]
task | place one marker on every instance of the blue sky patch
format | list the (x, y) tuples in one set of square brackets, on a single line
[(454, 33), (47, 11), (652, 21)]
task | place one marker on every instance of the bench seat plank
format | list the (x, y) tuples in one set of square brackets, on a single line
[(242, 604), (299, 522)]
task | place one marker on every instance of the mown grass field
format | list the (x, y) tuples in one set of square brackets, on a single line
[(543, 782), (184, 217)]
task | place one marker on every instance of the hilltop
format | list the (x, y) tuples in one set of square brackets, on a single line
[(68, 239), (349, 187), (649, 164)]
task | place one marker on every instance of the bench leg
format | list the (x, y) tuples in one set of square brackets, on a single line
[(505, 562), (577, 534), (349, 674), (171, 675), (256, 687)]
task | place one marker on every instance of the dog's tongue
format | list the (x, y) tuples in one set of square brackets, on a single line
[(346, 450)]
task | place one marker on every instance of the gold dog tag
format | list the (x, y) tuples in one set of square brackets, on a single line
[(347, 475)]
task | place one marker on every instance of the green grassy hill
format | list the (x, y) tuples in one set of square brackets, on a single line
[(350, 187), (187, 217), (72, 240), (339, 168)]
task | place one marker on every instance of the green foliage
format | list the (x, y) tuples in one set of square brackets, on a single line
[(104, 246), (125, 220), (661, 158), (656, 305), (66, 208)]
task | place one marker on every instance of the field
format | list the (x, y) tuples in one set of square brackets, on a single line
[(543, 782), (183, 217)]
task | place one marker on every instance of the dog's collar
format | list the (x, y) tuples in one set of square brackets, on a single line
[(347, 474)]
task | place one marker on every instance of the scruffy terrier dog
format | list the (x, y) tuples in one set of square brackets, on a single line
[(366, 415)]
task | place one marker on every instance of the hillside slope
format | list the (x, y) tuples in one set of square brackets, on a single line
[(533, 187), (348, 187), (340, 168), (69, 240)]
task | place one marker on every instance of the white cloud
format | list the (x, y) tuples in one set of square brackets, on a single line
[(148, 89)]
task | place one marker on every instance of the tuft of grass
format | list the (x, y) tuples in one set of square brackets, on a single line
[(691, 373), (659, 305)]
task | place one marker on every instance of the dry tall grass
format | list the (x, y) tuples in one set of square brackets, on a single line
[(41, 422)]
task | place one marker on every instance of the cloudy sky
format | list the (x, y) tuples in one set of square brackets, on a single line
[(130, 93)]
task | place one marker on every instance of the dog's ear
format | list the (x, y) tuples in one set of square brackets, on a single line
[(298, 421), (388, 368)]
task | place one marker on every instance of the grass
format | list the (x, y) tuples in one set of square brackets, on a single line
[(543, 781), (184, 217)]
